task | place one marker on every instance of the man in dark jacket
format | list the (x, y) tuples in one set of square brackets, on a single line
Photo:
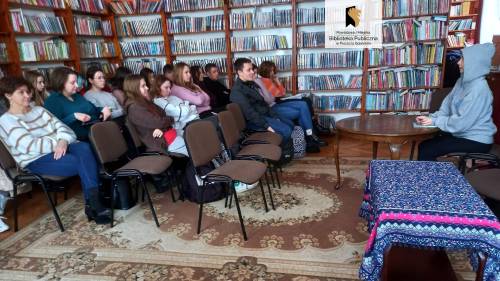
[(212, 85), (258, 114)]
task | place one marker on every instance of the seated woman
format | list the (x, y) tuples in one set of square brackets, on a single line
[(42, 144), (465, 114), (96, 94), (173, 106), (150, 121), (71, 108), (38, 90), (185, 89), (291, 109), (117, 84)]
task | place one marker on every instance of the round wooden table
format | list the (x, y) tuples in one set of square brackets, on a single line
[(394, 130)]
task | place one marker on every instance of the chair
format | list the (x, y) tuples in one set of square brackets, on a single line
[(271, 153), (255, 137), (18, 176), (110, 148), (204, 145)]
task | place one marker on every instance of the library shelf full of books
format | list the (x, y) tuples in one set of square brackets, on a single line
[(399, 77), (464, 23)]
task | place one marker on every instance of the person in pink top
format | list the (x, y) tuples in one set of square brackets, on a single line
[(185, 89)]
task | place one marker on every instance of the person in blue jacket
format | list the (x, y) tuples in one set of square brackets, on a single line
[(465, 114), (70, 107)]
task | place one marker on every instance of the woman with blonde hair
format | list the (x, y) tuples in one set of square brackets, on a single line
[(38, 87), (185, 89)]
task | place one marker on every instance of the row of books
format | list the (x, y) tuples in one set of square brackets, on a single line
[(354, 82), (122, 7), (249, 20), (286, 81), (3, 53), (136, 65), (403, 8), (321, 82), (311, 39), (139, 48), (92, 26), (91, 6), (36, 24), (107, 68), (330, 60), (210, 45), (237, 3), (456, 40), (220, 62), (326, 121), (148, 6), (462, 9), (461, 24), (184, 5), (420, 53), (425, 28), (43, 50), (89, 49), (45, 3), (404, 77), (140, 27), (258, 43), (337, 102), (310, 15), (183, 24), (282, 62), (399, 100)]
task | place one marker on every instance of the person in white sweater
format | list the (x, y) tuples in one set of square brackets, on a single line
[(42, 144), (98, 96), (179, 109)]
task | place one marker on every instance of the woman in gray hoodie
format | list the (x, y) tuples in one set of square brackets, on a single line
[(465, 114)]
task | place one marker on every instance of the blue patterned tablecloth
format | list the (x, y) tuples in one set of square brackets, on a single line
[(428, 205)]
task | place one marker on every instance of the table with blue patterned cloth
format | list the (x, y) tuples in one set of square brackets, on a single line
[(426, 205)]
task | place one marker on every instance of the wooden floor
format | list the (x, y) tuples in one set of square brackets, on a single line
[(31, 208)]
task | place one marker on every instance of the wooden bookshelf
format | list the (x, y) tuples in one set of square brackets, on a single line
[(471, 35)]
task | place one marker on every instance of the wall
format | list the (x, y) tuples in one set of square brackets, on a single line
[(490, 20)]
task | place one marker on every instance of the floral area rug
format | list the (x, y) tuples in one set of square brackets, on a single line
[(314, 234)]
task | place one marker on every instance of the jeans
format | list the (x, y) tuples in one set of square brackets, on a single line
[(293, 110), (79, 160), (445, 143), (282, 127)]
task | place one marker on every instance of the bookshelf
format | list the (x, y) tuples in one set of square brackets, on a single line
[(464, 23)]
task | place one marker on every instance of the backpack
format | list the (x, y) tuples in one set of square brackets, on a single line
[(299, 142), (191, 183)]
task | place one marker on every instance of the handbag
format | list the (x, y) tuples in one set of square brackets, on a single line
[(170, 135)]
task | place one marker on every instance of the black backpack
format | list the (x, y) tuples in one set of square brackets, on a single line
[(191, 190)]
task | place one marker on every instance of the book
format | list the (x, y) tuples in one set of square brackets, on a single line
[(420, 53), (36, 24), (350, 59), (310, 16), (258, 43), (95, 49), (246, 3), (92, 26), (398, 100), (45, 50), (220, 62), (185, 24), (136, 65), (250, 20), (417, 125), (139, 27), (311, 39), (59, 4), (90, 6), (404, 77), (422, 28), (202, 46), (337, 102), (402, 8), (142, 48), (187, 5)]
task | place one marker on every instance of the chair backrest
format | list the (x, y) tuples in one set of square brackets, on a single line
[(229, 129), (437, 98), (235, 109), (6, 160), (108, 141), (133, 133), (202, 142)]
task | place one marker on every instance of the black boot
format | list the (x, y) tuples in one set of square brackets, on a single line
[(95, 210), (311, 145), (319, 141)]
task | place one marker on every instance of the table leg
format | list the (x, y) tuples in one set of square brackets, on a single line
[(374, 149), (412, 149), (395, 150), (337, 161)]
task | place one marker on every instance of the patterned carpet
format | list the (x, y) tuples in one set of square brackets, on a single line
[(314, 234)]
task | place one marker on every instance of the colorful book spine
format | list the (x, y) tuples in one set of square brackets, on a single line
[(462, 9), (337, 102), (282, 62), (188, 5), (407, 54), (136, 65), (311, 39), (250, 20), (404, 77), (321, 82), (404, 100), (246, 3), (122, 7), (59, 4), (139, 48), (90, 49), (457, 40), (349, 59), (89, 6), (310, 16), (43, 50), (92, 26), (140, 27), (259, 43), (404, 8), (326, 121), (212, 45), (424, 28), (184, 24), (220, 62), (286, 81), (36, 24)]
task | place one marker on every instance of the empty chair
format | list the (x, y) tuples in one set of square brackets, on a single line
[(111, 150), (18, 176), (255, 137), (204, 145)]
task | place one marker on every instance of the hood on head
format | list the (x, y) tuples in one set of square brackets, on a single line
[(477, 61)]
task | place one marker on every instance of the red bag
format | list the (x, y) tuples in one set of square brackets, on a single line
[(170, 135)]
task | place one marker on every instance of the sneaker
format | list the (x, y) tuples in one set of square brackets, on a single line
[(3, 226), (242, 187)]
